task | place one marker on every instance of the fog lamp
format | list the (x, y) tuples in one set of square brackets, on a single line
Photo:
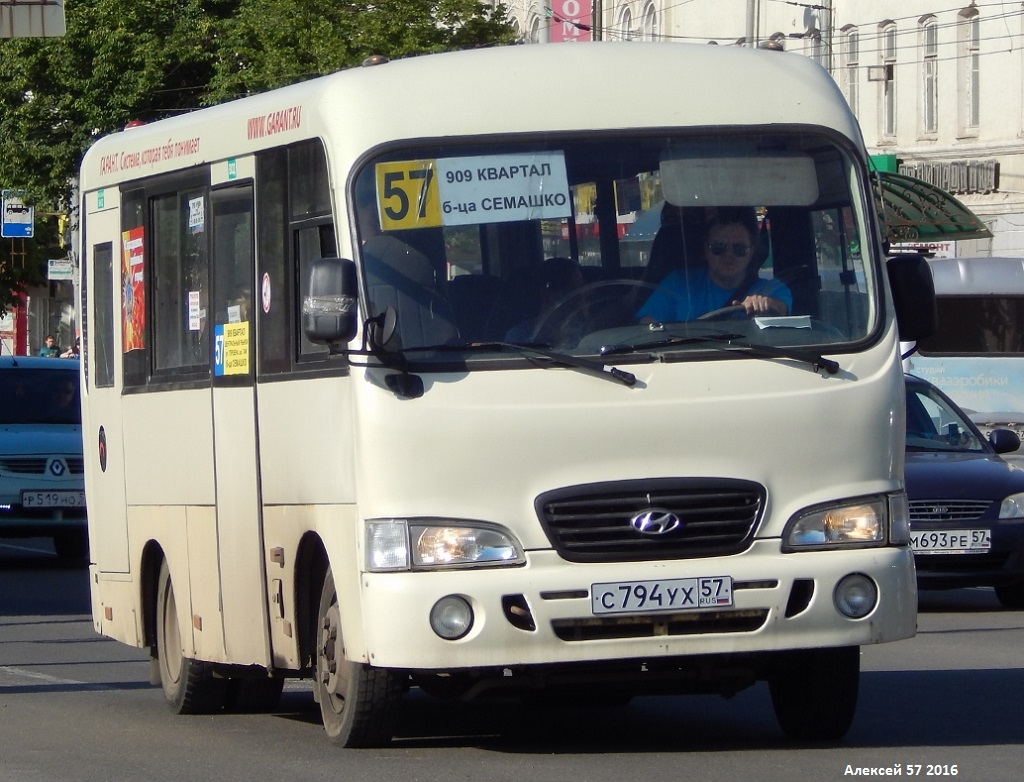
[(856, 596), (451, 617)]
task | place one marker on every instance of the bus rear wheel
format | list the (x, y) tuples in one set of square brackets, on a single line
[(814, 692), (358, 703), (189, 685)]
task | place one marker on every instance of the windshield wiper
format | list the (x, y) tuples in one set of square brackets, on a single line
[(816, 360), (587, 366)]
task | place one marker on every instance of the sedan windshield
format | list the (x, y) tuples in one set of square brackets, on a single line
[(933, 424), (640, 244), (39, 396)]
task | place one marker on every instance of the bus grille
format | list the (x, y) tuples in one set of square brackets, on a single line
[(948, 510), (36, 465), (602, 629), (597, 522)]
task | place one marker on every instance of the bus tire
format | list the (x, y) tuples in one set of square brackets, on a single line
[(189, 685), (814, 692), (359, 704)]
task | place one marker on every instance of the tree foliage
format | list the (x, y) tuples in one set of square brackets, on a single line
[(259, 51), (125, 60)]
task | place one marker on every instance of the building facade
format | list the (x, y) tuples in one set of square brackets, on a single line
[(938, 87)]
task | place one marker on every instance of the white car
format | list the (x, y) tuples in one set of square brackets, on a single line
[(42, 486)]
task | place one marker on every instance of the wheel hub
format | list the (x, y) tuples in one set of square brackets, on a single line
[(332, 651)]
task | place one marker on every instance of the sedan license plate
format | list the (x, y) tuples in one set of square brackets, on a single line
[(53, 499), (669, 594), (951, 541)]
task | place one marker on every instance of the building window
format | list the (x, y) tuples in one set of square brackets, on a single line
[(929, 76), (652, 29), (851, 67), (969, 81), (817, 48), (532, 34), (888, 54), (623, 30)]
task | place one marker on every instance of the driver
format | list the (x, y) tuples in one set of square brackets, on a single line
[(729, 277)]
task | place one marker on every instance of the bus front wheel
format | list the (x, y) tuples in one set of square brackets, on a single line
[(359, 704), (189, 685), (814, 692)]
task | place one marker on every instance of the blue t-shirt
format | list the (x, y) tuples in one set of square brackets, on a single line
[(688, 295)]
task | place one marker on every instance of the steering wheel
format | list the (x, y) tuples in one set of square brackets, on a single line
[(723, 312), (591, 305)]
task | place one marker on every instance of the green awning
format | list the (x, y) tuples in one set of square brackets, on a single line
[(913, 210)]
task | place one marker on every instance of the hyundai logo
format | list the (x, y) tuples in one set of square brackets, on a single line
[(655, 521)]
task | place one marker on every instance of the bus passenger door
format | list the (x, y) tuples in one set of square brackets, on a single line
[(239, 520), (105, 269)]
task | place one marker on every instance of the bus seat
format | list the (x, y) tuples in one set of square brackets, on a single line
[(403, 278), (472, 298)]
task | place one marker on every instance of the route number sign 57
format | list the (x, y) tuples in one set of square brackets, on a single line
[(471, 190)]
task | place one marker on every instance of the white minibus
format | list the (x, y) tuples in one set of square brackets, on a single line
[(976, 354), (376, 395)]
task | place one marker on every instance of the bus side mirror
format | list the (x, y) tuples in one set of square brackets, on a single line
[(913, 294), (329, 307)]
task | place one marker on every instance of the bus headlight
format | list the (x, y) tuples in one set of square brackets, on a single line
[(861, 522), (415, 544)]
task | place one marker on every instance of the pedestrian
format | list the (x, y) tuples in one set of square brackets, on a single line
[(73, 351), (49, 348)]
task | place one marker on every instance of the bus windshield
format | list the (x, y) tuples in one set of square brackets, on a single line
[(582, 244)]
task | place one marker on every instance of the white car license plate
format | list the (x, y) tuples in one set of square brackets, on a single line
[(53, 499), (951, 541), (670, 594)]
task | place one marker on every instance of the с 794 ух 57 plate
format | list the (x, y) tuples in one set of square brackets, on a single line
[(675, 594)]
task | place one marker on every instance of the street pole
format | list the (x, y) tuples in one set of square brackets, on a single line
[(751, 13), (827, 32), (596, 20)]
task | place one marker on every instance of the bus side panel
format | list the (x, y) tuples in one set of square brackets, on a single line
[(307, 456), (166, 525), (306, 440), (238, 525), (168, 448), (206, 619), (169, 483), (116, 608)]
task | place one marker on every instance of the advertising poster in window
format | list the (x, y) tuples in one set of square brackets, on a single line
[(133, 307)]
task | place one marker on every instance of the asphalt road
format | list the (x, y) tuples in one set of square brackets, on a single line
[(76, 706)]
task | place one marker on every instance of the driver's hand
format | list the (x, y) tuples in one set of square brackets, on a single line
[(762, 305)]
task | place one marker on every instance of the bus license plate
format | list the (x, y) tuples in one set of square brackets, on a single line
[(951, 541), (673, 594), (53, 499)]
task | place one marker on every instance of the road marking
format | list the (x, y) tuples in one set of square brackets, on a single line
[(11, 676)]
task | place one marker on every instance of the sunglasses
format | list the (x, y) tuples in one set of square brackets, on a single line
[(720, 248)]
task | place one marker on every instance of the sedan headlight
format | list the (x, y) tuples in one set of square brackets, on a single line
[(415, 544), (1012, 507), (862, 522)]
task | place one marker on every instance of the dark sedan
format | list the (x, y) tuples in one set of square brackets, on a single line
[(966, 502)]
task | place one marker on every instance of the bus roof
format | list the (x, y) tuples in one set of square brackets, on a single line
[(977, 276), (610, 85)]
